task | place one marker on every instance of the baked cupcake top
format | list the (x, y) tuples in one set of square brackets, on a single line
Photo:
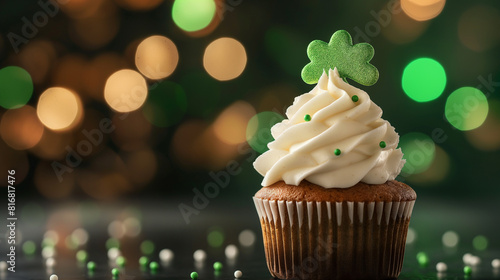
[(361, 192), (334, 137)]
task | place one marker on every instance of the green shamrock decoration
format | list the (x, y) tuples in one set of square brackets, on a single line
[(352, 61)]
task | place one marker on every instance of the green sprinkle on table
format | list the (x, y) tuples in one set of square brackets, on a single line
[(143, 261), (115, 272), (121, 261), (423, 259), (217, 266), (91, 266), (194, 275), (81, 256), (154, 266), (467, 270)]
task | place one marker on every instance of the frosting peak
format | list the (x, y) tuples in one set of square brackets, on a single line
[(338, 146)]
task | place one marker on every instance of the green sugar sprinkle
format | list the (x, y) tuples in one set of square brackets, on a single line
[(355, 98), (121, 261), (154, 266), (382, 144), (423, 259), (307, 118), (194, 275), (217, 266), (337, 152), (91, 266), (115, 272), (143, 261), (81, 256)]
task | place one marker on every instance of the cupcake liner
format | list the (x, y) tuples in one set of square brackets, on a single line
[(334, 240)]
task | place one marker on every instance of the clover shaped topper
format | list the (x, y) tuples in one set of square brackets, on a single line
[(352, 61)]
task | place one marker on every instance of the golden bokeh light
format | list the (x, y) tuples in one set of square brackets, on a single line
[(132, 131), (156, 57), (275, 97), (63, 221), (97, 29), (103, 186), (125, 91), (225, 59), (78, 9), (478, 28), (230, 125), (48, 184), (98, 70), (93, 134), (52, 144), (186, 145), (139, 5), (20, 128), (487, 136), (142, 166), (105, 177), (37, 58), (59, 109), (402, 29), (219, 153), (69, 72), (422, 10), (195, 145), (13, 160), (437, 171)]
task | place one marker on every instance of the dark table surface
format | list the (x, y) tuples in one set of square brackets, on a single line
[(162, 223)]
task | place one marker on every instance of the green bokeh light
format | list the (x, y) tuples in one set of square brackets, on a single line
[(16, 87), (424, 79), (480, 243), (419, 151), (121, 261), (147, 247), (466, 108), (166, 104), (215, 237), (81, 256), (112, 243), (423, 259), (29, 247), (193, 15), (259, 130), (143, 261)]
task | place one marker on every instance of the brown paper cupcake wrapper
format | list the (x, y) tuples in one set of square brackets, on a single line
[(334, 240)]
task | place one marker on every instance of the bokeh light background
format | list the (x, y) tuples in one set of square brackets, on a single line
[(116, 99)]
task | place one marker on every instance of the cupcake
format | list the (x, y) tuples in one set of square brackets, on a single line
[(330, 207)]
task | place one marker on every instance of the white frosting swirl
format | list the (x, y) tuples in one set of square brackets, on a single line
[(305, 150)]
